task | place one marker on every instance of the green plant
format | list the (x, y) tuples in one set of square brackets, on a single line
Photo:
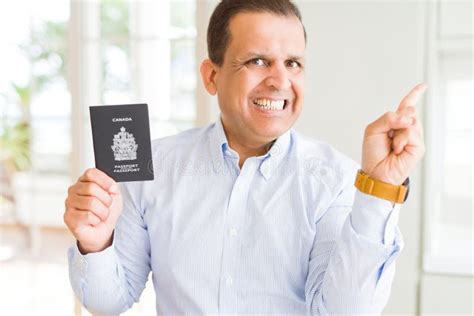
[(15, 138), (15, 147), (46, 44)]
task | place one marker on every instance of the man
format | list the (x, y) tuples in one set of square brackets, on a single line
[(246, 215)]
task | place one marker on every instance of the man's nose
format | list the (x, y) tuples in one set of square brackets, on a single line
[(278, 77)]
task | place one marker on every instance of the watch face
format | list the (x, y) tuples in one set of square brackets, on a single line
[(121, 137)]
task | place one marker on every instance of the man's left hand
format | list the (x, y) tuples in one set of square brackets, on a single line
[(393, 144)]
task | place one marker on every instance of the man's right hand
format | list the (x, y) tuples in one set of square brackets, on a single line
[(93, 206)]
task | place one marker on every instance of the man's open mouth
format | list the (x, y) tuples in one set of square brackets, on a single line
[(273, 105)]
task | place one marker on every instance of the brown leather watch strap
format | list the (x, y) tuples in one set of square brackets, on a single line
[(386, 191)]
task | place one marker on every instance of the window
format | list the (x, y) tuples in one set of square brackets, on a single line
[(450, 109), (59, 62), (35, 112), (58, 58), (33, 82), (134, 52)]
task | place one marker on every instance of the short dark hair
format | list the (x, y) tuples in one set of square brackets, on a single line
[(218, 33)]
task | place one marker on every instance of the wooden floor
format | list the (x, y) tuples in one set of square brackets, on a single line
[(38, 283), (52, 244)]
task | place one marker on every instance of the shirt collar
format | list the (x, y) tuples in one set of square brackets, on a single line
[(275, 155), (269, 162), (218, 142)]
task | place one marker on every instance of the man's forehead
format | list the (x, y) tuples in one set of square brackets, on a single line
[(260, 33), (255, 21)]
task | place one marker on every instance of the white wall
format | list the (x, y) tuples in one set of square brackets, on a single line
[(363, 57)]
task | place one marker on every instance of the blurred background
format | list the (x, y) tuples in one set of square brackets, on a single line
[(60, 57)]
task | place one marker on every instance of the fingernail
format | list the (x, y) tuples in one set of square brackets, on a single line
[(114, 189)]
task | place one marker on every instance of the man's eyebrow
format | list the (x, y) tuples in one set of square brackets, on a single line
[(297, 58), (251, 55), (254, 55)]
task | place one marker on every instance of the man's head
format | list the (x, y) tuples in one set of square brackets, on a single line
[(256, 67), (218, 33)]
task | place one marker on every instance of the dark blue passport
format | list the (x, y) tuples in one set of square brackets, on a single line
[(121, 137)]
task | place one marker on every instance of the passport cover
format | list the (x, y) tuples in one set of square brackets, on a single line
[(121, 138)]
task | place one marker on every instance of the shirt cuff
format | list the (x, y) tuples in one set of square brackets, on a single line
[(375, 218), (91, 264)]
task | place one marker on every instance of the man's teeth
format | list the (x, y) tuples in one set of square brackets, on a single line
[(269, 104)]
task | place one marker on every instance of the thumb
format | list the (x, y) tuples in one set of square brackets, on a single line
[(114, 189)]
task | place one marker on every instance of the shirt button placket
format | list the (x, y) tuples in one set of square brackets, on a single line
[(235, 213)]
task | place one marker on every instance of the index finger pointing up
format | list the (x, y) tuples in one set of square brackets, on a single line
[(413, 96)]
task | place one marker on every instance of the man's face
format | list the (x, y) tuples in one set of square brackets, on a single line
[(260, 85)]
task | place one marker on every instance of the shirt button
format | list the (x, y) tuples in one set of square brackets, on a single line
[(229, 281), (238, 186), (233, 232)]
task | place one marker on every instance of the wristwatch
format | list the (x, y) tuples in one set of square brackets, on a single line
[(386, 191)]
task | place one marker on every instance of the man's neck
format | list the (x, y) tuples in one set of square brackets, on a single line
[(246, 147), (248, 151)]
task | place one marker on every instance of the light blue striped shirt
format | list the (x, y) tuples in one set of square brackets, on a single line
[(286, 233)]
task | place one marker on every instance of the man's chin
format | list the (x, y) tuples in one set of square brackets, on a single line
[(271, 133)]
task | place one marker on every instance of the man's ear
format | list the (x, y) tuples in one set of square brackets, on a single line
[(208, 76)]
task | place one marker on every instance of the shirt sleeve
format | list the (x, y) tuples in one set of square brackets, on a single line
[(351, 265), (110, 281)]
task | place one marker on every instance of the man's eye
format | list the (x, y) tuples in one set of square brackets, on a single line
[(257, 62), (293, 64)]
